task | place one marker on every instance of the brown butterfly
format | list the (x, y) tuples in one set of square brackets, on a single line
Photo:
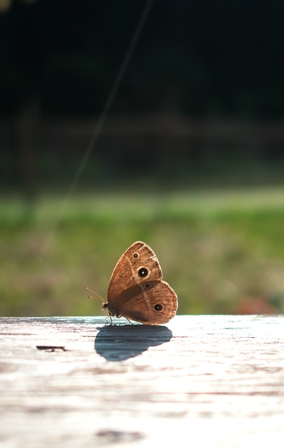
[(137, 290)]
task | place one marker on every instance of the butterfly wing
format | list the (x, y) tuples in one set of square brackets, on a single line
[(136, 288), (154, 305), (129, 272)]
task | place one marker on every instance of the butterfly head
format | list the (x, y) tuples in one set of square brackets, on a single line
[(112, 310)]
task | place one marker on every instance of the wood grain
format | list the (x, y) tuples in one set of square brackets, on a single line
[(210, 381)]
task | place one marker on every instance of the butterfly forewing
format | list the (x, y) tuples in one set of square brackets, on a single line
[(138, 260)]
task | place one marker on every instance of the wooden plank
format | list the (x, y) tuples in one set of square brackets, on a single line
[(211, 381)]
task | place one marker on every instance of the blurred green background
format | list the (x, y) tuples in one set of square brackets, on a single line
[(190, 157)]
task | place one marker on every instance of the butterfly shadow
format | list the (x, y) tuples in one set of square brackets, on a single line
[(118, 343)]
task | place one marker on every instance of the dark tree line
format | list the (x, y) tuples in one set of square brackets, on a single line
[(205, 58)]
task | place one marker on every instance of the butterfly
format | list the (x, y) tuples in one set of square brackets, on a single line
[(137, 290)]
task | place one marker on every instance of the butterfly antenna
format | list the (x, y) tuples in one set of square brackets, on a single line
[(91, 297)]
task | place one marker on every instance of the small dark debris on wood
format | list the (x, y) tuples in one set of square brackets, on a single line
[(51, 348), (116, 436)]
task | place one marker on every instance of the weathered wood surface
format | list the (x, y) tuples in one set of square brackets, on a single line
[(200, 381)]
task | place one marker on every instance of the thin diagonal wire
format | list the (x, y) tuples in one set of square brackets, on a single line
[(111, 96), (102, 118)]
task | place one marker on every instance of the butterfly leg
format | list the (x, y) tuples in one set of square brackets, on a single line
[(129, 321)]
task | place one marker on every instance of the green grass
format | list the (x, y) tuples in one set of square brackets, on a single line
[(222, 251)]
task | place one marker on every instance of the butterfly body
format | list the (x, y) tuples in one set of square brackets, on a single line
[(137, 290)]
